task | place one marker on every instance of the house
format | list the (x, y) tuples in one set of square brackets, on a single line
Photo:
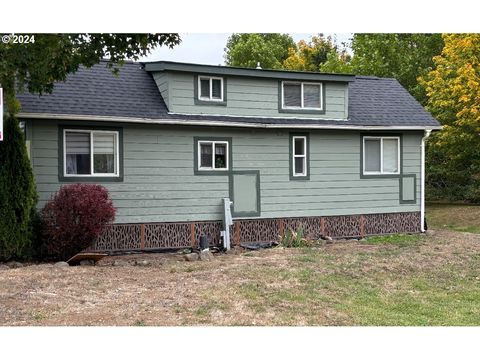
[(342, 155)]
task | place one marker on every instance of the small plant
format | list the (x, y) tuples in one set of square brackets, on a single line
[(294, 238), (74, 217)]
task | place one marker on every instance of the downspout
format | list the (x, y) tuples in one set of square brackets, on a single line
[(422, 182)]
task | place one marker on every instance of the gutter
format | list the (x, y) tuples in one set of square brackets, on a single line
[(46, 116), (422, 182)]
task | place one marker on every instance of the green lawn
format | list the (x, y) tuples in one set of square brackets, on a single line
[(456, 217)]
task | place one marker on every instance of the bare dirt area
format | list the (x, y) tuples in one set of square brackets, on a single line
[(430, 280)]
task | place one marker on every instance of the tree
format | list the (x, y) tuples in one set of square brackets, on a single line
[(36, 67), (18, 195), (270, 50), (310, 55), (404, 57), (453, 91)]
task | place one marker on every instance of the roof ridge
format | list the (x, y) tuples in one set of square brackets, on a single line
[(371, 77)]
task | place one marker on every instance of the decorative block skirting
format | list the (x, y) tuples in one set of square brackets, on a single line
[(127, 237)]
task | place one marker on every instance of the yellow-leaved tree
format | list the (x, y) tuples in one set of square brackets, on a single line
[(453, 91)]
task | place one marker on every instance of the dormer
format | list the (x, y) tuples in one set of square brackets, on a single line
[(230, 91)]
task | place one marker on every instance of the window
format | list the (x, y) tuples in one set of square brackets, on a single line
[(210, 88), (299, 156), (381, 155), (213, 155), (90, 153), (299, 95)]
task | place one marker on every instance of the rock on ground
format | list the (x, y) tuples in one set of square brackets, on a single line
[(87, 262), (142, 263), (61, 264), (206, 255), (191, 257), (120, 263), (14, 264)]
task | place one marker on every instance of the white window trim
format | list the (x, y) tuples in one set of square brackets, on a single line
[(304, 156), (213, 143), (381, 172), (92, 173), (302, 107), (210, 98)]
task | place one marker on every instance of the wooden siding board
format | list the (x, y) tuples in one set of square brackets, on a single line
[(248, 97), (159, 184)]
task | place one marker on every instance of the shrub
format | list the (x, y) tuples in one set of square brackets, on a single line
[(294, 238), (74, 217), (18, 195)]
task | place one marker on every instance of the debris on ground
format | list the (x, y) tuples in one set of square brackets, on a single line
[(258, 245), (77, 259)]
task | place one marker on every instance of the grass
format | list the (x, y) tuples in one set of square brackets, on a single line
[(396, 239), (390, 280), (457, 217)]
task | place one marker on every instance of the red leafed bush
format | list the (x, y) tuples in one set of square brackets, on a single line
[(74, 217)]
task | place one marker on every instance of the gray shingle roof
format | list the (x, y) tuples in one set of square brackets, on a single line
[(133, 93)]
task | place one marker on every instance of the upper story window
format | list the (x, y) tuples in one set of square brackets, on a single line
[(90, 153), (210, 88), (381, 155), (302, 95)]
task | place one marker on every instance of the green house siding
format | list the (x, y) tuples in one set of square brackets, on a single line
[(161, 79), (246, 97), (159, 184)]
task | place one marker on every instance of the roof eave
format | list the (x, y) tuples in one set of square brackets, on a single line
[(248, 72), (192, 122)]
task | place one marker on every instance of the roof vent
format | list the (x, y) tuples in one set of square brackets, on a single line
[(258, 65)]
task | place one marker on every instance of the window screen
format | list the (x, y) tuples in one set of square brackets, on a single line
[(311, 96), (77, 146), (205, 88), (390, 155), (292, 95), (216, 89), (104, 153), (220, 156), (372, 155), (206, 155)]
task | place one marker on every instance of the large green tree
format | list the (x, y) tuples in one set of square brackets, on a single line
[(270, 50), (35, 67), (404, 57), (453, 90)]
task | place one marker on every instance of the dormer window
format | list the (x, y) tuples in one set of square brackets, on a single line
[(210, 88), (302, 96)]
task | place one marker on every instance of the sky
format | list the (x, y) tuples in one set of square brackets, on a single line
[(210, 48)]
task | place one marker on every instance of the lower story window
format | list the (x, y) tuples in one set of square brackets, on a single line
[(381, 155), (299, 168), (91, 153), (213, 155)]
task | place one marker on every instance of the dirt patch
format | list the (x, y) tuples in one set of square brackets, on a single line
[(322, 286)]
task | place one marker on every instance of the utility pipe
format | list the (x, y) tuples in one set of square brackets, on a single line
[(422, 182)]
